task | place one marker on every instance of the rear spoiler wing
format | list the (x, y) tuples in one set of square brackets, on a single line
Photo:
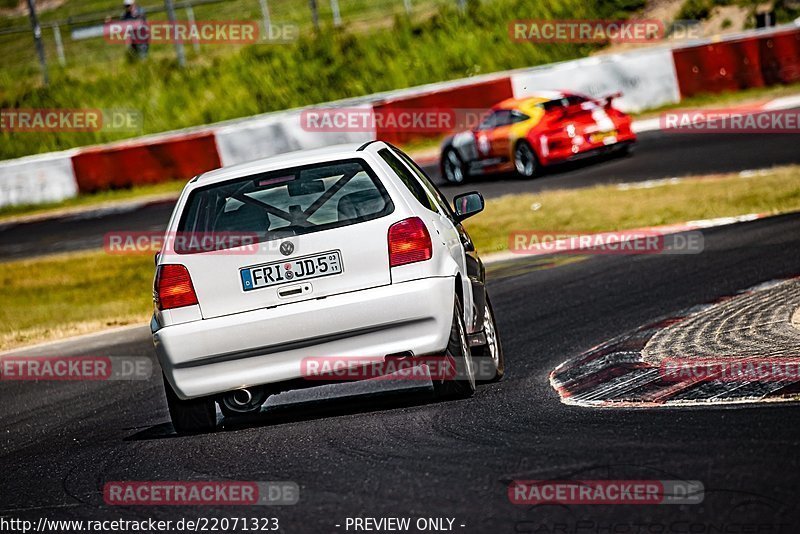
[(606, 100)]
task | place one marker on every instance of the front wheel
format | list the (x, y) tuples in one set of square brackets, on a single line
[(459, 382), (453, 168), (625, 150), (193, 415), (525, 161), (489, 357)]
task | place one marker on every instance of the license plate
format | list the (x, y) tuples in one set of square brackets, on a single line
[(607, 138), (282, 272)]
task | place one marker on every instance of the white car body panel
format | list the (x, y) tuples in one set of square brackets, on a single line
[(268, 345)]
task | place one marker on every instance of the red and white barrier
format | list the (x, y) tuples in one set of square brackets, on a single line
[(145, 162), (757, 59), (647, 78)]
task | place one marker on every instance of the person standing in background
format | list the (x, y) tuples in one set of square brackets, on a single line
[(138, 47)]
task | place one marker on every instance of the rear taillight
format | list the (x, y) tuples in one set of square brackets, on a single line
[(173, 287), (409, 242)]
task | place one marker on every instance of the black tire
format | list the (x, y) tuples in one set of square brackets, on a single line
[(191, 416), (625, 150), (462, 384), (453, 168), (489, 357), (526, 164)]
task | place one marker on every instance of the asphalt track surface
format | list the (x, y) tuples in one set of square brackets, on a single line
[(658, 155), (412, 457)]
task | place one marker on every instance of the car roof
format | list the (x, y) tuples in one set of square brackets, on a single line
[(286, 160)]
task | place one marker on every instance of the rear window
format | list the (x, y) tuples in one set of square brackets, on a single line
[(285, 203), (407, 178)]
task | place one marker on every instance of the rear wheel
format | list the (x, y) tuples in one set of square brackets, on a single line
[(525, 161), (625, 150), (460, 383), (489, 357), (453, 167), (193, 415)]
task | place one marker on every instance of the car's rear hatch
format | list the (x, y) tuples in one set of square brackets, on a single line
[(589, 118), (319, 230)]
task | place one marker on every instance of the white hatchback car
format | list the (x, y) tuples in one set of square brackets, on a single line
[(347, 251)]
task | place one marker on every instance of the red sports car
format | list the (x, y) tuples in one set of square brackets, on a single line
[(524, 135)]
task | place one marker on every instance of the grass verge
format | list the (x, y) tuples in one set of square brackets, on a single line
[(613, 207), (56, 296)]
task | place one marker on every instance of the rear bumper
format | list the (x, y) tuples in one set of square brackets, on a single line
[(600, 150), (264, 346), (588, 150)]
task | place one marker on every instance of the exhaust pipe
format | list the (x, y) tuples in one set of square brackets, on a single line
[(243, 401), (242, 397)]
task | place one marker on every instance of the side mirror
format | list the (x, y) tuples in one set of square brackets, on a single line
[(468, 204)]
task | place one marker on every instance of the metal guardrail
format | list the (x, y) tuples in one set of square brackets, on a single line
[(86, 26), (100, 16)]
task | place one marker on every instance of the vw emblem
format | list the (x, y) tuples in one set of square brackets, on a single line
[(287, 248)]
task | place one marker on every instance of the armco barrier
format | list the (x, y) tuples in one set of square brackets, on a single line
[(481, 95), (780, 57), (277, 133), (753, 61), (145, 162)]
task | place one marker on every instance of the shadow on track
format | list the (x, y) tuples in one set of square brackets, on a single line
[(303, 411), (550, 170)]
